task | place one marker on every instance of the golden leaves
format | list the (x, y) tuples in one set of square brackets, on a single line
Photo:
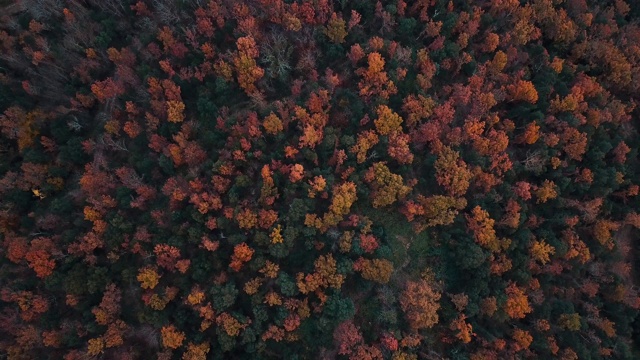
[(420, 303), (366, 140), (272, 299), (196, 296), (523, 90), (196, 352), (270, 270), (387, 187), (541, 251), (246, 66), (482, 226), (464, 330), (324, 276), (375, 80), (517, 305), (318, 184), (336, 29), (175, 111), (272, 124), (522, 338), (230, 324), (388, 121), (546, 192), (378, 270), (251, 287), (148, 278), (276, 236), (95, 346), (171, 337), (570, 321), (452, 172), (247, 219), (432, 211)]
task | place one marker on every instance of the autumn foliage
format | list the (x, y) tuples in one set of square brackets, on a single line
[(277, 179)]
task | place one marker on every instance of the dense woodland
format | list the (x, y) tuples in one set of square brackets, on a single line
[(304, 179)]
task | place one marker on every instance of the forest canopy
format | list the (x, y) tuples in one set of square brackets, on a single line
[(301, 179)]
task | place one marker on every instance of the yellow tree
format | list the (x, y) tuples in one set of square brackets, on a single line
[(247, 69), (541, 251), (148, 278), (378, 270), (517, 305), (432, 211), (366, 140), (452, 172), (546, 192), (464, 329), (570, 321), (344, 195), (387, 187), (523, 90), (522, 338), (388, 121), (482, 226), (420, 303), (325, 275), (374, 79), (336, 29), (272, 124), (171, 337)]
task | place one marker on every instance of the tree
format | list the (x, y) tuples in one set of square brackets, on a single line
[(171, 337), (522, 338), (325, 275), (242, 253), (272, 124), (620, 152), (452, 172), (343, 197), (570, 321), (432, 211), (523, 90), (482, 227), (39, 257), (148, 278), (575, 143), (388, 121), (546, 192), (541, 251), (245, 64), (419, 302), (336, 29), (399, 148), (109, 308), (387, 187), (517, 305), (347, 336), (531, 133), (366, 140), (196, 352), (488, 306), (378, 270), (464, 330), (374, 79)]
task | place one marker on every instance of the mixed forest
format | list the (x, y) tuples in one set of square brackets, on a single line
[(317, 179)]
